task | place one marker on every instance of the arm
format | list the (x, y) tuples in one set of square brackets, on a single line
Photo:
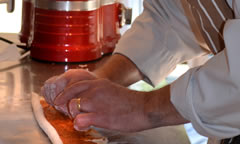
[(159, 39), (160, 111), (208, 96), (119, 69), (107, 105)]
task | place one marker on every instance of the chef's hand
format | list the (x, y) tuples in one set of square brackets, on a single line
[(118, 69), (104, 104), (55, 85), (108, 105)]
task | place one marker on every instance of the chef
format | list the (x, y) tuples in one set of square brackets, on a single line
[(167, 33)]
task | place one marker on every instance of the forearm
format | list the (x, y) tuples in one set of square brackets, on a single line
[(119, 69), (160, 111)]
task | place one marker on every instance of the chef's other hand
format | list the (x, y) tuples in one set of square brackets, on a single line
[(55, 85)]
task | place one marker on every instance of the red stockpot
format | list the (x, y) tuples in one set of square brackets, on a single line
[(66, 31), (110, 25), (27, 17)]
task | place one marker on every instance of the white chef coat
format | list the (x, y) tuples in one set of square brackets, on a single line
[(208, 96)]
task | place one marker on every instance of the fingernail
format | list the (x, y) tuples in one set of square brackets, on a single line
[(62, 109), (81, 129), (52, 91), (49, 90), (46, 94), (58, 108)]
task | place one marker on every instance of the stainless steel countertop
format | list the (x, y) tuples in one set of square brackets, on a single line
[(18, 79)]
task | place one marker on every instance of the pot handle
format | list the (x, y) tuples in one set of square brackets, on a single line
[(125, 15), (10, 4)]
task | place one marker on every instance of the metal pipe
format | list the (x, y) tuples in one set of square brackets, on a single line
[(3, 1)]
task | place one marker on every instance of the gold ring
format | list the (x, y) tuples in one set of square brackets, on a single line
[(78, 104)]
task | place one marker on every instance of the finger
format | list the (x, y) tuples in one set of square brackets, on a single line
[(46, 97), (55, 85), (70, 77), (86, 120), (63, 109), (72, 91), (74, 75), (48, 90), (45, 89), (52, 79), (74, 108), (52, 88)]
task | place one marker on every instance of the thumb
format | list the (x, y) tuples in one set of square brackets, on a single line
[(84, 121)]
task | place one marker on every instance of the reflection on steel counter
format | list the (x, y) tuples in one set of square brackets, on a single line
[(16, 120), (7, 82)]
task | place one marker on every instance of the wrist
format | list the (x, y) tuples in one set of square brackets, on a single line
[(99, 73), (159, 110)]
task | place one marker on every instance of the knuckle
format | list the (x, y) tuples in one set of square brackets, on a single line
[(98, 90), (51, 80), (97, 93), (102, 81), (70, 71)]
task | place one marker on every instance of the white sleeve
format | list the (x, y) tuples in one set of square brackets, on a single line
[(236, 8), (159, 39), (209, 96)]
